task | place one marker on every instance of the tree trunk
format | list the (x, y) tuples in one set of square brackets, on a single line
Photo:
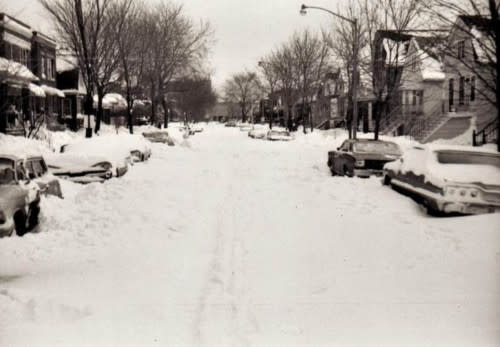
[(130, 104), (87, 109), (100, 110), (165, 111), (153, 104), (376, 116)]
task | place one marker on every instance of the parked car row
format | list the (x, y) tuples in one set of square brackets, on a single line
[(444, 179), (24, 180)]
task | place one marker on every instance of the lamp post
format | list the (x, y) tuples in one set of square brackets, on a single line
[(354, 22)]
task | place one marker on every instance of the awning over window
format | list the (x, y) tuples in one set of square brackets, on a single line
[(36, 90), (14, 71), (52, 91)]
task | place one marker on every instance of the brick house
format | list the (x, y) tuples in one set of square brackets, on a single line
[(27, 77)]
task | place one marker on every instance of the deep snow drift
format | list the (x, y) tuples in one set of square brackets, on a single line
[(229, 241)]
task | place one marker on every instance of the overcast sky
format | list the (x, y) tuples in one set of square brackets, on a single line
[(245, 30)]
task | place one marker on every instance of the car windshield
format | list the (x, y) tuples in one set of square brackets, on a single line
[(377, 147), (472, 158)]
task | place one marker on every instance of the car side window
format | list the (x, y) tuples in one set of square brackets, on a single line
[(39, 168)]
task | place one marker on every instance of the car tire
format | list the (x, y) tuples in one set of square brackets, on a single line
[(347, 172), (20, 223), (386, 181), (33, 217)]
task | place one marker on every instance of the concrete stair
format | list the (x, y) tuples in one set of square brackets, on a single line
[(450, 128)]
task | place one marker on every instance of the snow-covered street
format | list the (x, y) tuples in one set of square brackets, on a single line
[(224, 240)]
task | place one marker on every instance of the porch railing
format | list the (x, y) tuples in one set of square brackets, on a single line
[(487, 134)]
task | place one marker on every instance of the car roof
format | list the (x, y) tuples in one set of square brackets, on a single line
[(10, 157)]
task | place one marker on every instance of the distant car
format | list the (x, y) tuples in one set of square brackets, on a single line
[(231, 123), (80, 169), (245, 126), (197, 128), (448, 179), (19, 198), (362, 157), (278, 135), (257, 133), (159, 137), (37, 170)]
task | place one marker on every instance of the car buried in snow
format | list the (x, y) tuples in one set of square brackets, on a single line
[(159, 137), (257, 133), (79, 168), (231, 124), (278, 135), (362, 157), (19, 197), (108, 148), (448, 179)]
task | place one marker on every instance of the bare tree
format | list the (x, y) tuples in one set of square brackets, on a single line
[(132, 50), (243, 89), (179, 49), (284, 65), (311, 55), (269, 81), (80, 27)]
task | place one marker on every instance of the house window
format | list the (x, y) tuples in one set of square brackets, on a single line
[(414, 101), (461, 49), (473, 88), (461, 91)]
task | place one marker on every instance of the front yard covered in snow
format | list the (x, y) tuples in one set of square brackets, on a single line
[(225, 240)]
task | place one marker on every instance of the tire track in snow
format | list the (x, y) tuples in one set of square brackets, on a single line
[(222, 316)]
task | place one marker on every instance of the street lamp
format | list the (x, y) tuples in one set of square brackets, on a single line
[(354, 22)]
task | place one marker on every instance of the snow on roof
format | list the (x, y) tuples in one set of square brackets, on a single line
[(52, 91), (36, 90), (484, 46), (66, 64), (16, 70)]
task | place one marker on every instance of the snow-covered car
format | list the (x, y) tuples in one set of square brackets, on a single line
[(362, 157), (197, 128), (19, 198), (257, 133), (278, 135), (140, 148), (231, 124), (159, 137), (448, 179), (79, 168), (245, 127), (37, 170), (111, 148)]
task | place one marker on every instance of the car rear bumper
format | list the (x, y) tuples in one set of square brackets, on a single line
[(468, 208), (368, 172)]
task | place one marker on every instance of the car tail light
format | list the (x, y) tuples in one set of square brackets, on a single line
[(461, 192)]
